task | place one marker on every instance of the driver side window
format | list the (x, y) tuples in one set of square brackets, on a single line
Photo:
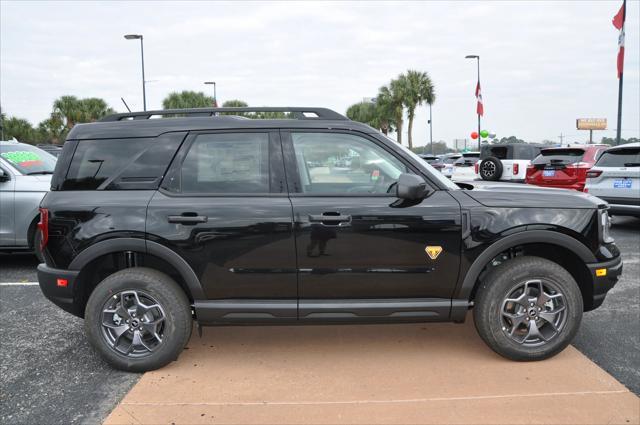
[(344, 164)]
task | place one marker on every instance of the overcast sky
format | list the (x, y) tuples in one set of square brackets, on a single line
[(543, 64)]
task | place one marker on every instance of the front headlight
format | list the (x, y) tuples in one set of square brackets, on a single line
[(605, 226)]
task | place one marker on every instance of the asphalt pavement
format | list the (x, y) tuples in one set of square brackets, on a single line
[(50, 374)]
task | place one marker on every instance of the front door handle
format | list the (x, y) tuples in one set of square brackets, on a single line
[(330, 219), (188, 218)]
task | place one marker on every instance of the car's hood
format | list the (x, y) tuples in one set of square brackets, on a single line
[(528, 196)]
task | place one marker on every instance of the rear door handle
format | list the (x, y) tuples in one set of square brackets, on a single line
[(187, 218), (329, 219)]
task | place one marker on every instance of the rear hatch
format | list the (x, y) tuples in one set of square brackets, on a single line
[(616, 174), (558, 166)]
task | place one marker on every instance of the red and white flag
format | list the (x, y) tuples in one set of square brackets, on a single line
[(618, 22), (480, 107)]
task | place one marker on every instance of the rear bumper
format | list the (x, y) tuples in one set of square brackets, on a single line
[(603, 283), (62, 296)]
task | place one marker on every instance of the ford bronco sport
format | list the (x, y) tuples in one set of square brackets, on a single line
[(211, 217)]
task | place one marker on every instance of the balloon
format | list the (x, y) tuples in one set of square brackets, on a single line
[(492, 135), (484, 134), (474, 135)]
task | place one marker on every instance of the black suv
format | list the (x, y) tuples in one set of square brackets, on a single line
[(213, 217)]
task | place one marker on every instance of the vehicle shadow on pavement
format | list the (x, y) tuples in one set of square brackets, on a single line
[(413, 373)]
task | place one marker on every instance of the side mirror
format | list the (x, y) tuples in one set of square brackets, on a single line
[(3, 176), (411, 187)]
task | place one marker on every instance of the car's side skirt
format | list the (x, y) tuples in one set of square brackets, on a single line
[(223, 312)]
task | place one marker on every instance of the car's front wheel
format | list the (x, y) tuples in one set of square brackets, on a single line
[(138, 319), (528, 308)]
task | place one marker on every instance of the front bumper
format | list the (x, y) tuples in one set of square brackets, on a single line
[(603, 281), (62, 296)]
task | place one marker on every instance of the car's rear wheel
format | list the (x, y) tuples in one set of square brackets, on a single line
[(490, 169), (528, 308), (138, 319)]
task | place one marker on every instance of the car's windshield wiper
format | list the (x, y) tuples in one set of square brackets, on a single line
[(632, 164), (34, 173)]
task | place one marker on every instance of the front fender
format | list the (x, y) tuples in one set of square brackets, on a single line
[(467, 280)]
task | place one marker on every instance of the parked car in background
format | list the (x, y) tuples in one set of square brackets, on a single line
[(435, 161), (448, 161), (25, 177), (463, 167), (54, 150), (564, 168), (506, 162), (615, 178)]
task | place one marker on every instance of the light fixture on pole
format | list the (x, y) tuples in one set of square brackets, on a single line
[(215, 98), (480, 107), (139, 37)]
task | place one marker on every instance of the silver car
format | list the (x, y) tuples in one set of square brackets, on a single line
[(615, 178), (25, 177)]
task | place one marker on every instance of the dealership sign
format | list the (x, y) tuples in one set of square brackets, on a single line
[(591, 123)]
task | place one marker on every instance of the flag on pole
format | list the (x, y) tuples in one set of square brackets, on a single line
[(618, 22), (480, 107)]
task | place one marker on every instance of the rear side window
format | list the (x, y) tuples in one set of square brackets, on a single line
[(559, 156), (226, 163), (628, 157), (121, 164)]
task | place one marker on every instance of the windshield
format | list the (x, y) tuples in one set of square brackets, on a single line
[(27, 159), (435, 173)]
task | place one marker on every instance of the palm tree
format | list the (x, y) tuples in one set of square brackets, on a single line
[(187, 99), (390, 99), (93, 108), (363, 112), (418, 89), (20, 129), (68, 108)]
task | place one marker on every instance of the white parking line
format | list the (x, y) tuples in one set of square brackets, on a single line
[(18, 283)]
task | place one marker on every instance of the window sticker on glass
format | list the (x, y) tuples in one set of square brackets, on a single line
[(23, 158)]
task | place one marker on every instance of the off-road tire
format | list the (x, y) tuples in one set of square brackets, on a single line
[(168, 294), (497, 286), (492, 164)]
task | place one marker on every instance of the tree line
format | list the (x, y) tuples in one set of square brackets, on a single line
[(67, 112), (386, 113)]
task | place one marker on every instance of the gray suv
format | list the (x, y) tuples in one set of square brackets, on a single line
[(25, 177)]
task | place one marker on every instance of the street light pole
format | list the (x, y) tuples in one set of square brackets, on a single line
[(215, 97), (478, 58), (144, 91), (431, 130)]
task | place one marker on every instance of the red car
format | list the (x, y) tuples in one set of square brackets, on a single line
[(564, 168)]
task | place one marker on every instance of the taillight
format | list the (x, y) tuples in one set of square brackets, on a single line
[(591, 174), (43, 227), (516, 168), (476, 167)]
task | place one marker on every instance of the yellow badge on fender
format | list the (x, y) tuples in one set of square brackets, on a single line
[(433, 251)]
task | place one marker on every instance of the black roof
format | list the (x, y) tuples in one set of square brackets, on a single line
[(143, 124)]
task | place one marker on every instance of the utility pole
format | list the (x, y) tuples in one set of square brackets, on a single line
[(431, 129), (561, 138)]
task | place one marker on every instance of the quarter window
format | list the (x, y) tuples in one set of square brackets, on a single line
[(227, 163), (337, 163)]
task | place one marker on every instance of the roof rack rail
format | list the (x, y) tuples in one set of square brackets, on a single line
[(296, 113)]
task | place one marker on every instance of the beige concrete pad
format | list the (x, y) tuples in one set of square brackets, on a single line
[(415, 373)]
